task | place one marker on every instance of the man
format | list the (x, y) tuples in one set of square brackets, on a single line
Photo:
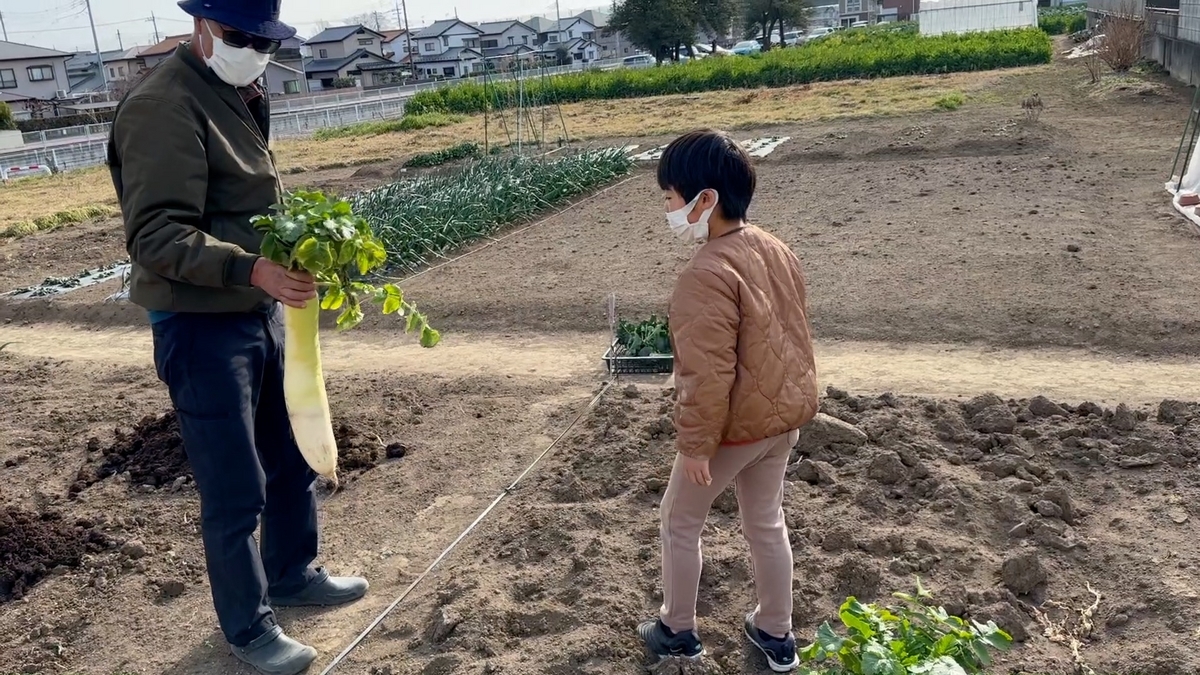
[(189, 159)]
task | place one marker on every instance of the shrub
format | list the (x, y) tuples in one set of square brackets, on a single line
[(1121, 47), (6, 118), (460, 151), (380, 127), (45, 123), (1062, 20), (853, 54), (951, 101)]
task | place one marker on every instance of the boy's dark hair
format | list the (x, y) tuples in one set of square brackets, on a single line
[(709, 160)]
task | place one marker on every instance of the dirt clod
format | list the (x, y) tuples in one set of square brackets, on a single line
[(1041, 406), (32, 546), (152, 454), (887, 468), (1023, 572), (134, 548), (825, 431), (994, 419)]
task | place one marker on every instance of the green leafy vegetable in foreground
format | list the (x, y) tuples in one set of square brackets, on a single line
[(421, 219), (326, 238), (886, 52), (651, 337), (912, 639)]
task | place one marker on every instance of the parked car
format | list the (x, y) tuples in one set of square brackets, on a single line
[(747, 47), (707, 50), (818, 33), (638, 61), (793, 38)]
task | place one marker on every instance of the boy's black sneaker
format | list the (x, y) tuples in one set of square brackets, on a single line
[(781, 654), (664, 643)]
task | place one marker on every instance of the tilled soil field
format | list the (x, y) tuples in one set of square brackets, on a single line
[(1004, 509), (930, 241)]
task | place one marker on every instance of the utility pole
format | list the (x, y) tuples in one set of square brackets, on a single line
[(403, 5), (3, 27), (96, 43), (154, 20), (558, 17), (120, 42)]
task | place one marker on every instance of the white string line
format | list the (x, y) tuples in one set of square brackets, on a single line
[(453, 545)]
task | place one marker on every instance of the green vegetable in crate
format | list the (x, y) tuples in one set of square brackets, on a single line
[(648, 338), (322, 236)]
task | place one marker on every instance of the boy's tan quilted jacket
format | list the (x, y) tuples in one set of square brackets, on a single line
[(744, 368)]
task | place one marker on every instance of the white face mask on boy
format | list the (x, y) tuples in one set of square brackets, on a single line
[(678, 220), (236, 67)]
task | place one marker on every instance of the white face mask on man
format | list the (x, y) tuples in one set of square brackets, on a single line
[(236, 67), (678, 220)]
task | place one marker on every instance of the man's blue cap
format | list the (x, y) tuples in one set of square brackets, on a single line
[(259, 18)]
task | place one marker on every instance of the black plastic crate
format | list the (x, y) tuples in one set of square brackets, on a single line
[(620, 363)]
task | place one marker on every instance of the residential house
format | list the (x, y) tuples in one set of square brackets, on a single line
[(613, 44), (342, 41), (829, 16), (156, 54), (855, 11), (396, 45), (125, 66), (447, 48), (898, 10), (32, 76), (338, 53), (325, 73), (290, 53), (575, 35), (504, 43), (282, 79), (83, 71)]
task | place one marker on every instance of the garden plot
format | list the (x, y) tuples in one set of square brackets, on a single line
[(756, 147), (997, 506), (59, 285), (928, 238)]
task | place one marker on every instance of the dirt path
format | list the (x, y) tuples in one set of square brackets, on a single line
[(921, 370)]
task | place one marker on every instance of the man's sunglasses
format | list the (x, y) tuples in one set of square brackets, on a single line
[(239, 40)]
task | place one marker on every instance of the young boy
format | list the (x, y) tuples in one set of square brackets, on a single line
[(746, 383)]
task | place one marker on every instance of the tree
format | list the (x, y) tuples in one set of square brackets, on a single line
[(716, 17), (7, 122), (763, 17), (660, 26), (376, 21)]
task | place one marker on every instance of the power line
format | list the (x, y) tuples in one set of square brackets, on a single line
[(99, 25)]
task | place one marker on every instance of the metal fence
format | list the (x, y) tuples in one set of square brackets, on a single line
[(60, 158), (84, 146), (66, 134), (304, 123)]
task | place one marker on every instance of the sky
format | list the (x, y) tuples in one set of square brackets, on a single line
[(63, 24)]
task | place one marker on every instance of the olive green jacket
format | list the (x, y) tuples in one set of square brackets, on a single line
[(191, 166)]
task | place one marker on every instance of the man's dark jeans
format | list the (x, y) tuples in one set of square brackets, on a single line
[(225, 374)]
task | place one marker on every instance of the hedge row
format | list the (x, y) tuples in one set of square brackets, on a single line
[(1062, 20), (48, 123), (854, 54)]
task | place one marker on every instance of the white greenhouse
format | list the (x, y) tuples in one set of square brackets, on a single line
[(964, 16)]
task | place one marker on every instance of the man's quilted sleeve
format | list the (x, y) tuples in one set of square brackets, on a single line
[(704, 322)]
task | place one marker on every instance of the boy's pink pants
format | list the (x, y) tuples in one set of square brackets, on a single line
[(758, 470)]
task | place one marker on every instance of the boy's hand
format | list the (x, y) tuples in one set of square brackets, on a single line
[(696, 470)]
